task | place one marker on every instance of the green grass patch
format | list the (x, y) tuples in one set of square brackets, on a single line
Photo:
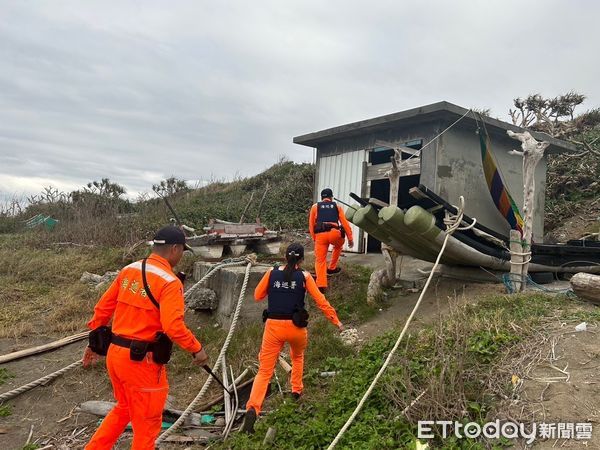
[(452, 361), (4, 375), (5, 411), (347, 293)]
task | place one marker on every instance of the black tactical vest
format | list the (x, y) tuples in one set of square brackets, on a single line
[(285, 297), (327, 212)]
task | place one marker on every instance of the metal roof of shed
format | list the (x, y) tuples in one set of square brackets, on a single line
[(439, 110)]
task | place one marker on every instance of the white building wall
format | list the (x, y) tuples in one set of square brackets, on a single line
[(343, 173)]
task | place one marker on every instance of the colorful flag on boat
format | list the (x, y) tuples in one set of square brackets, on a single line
[(500, 195)]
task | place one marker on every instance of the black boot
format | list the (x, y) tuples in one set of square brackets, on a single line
[(333, 271), (249, 419)]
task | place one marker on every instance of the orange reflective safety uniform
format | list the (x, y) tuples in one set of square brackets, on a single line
[(140, 387), (326, 238), (276, 334)]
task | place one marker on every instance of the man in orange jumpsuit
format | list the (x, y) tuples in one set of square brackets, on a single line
[(286, 288), (139, 383), (327, 224)]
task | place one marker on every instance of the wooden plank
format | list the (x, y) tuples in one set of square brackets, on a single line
[(44, 348), (407, 167), (377, 202), (219, 399), (415, 192)]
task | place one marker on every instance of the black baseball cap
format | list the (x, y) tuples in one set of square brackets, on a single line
[(171, 235), (326, 193)]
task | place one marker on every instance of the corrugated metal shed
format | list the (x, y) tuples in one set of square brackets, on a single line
[(343, 173)]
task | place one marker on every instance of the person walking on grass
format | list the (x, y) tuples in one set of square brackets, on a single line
[(285, 322), (328, 225), (145, 303)]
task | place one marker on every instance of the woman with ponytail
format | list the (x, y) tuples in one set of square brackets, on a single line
[(285, 321)]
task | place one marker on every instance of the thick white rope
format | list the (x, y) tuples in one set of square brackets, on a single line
[(453, 223), (10, 394), (218, 362)]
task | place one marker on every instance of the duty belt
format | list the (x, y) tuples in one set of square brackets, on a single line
[(323, 227), (279, 316), (126, 343)]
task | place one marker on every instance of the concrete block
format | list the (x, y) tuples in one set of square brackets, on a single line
[(227, 283)]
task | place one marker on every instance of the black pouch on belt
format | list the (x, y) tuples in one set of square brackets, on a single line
[(300, 318), (138, 350), (322, 227), (162, 349), (265, 315), (99, 340)]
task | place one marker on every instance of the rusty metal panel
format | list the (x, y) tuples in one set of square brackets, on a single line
[(343, 173)]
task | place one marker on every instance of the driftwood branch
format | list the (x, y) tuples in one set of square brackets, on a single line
[(260, 205), (533, 152), (386, 277), (246, 208)]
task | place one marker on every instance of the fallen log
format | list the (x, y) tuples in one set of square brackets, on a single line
[(43, 348), (587, 286)]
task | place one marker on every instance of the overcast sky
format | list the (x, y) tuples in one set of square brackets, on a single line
[(140, 90)]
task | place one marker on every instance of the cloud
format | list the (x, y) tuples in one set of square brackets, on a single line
[(138, 91)]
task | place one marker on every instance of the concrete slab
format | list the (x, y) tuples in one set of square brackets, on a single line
[(227, 283)]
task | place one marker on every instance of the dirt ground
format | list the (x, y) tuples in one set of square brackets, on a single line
[(44, 408), (564, 386), (51, 409), (48, 412)]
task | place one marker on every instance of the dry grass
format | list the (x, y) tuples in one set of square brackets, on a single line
[(464, 365), (40, 290)]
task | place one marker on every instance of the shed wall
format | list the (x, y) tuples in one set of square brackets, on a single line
[(343, 173)]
